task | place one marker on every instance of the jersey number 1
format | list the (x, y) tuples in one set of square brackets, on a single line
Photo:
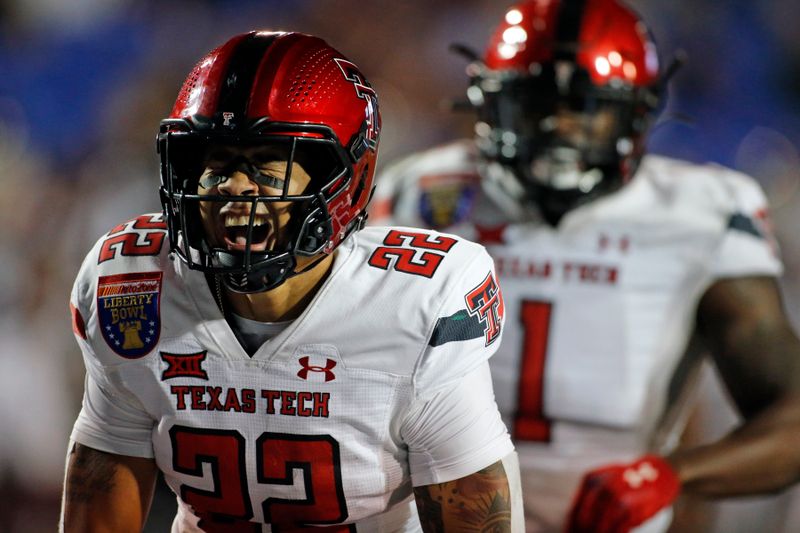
[(530, 423)]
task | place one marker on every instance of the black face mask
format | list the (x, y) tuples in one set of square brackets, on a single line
[(565, 144), (188, 185)]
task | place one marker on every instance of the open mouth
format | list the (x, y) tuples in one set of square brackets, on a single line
[(236, 227)]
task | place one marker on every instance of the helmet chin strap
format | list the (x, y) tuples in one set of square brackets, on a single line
[(254, 272), (590, 184), (562, 168), (263, 276), (267, 276)]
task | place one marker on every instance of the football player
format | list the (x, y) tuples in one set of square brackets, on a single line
[(282, 367), (609, 261)]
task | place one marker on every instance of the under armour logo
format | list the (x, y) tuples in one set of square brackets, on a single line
[(303, 372), (604, 243), (226, 118), (636, 477)]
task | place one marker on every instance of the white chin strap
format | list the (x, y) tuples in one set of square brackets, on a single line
[(560, 169)]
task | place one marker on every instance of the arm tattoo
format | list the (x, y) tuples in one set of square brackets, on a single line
[(91, 472), (430, 510), (479, 503)]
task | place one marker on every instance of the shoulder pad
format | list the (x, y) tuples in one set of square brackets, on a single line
[(436, 188)]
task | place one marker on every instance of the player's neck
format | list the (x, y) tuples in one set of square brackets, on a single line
[(286, 301)]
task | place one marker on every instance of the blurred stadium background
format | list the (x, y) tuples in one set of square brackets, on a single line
[(83, 84)]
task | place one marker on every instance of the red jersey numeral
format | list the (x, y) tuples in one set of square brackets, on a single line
[(228, 501), (530, 423), (318, 455), (142, 222), (131, 243), (410, 260), (226, 506)]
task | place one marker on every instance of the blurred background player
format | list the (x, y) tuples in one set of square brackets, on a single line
[(610, 260), (83, 83), (213, 337)]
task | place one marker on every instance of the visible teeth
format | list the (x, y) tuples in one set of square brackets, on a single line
[(244, 220)]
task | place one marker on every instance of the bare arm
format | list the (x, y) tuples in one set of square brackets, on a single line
[(758, 356), (478, 502), (104, 492)]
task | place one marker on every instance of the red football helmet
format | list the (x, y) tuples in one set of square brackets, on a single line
[(298, 95), (565, 93)]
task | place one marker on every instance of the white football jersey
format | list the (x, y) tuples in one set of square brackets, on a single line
[(601, 308), (380, 385)]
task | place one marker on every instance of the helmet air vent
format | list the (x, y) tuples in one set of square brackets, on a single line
[(311, 80)]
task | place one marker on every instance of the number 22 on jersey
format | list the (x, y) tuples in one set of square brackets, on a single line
[(227, 508)]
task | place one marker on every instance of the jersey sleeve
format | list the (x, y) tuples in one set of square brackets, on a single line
[(110, 420), (387, 188), (437, 188), (108, 423), (467, 328), (454, 427), (748, 246), (456, 432), (399, 195)]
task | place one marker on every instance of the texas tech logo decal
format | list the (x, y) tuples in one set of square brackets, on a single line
[(129, 312), (372, 120), (486, 303), (180, 365)]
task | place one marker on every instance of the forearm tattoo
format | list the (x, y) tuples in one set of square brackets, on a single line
[(476, 503), (91, 472)]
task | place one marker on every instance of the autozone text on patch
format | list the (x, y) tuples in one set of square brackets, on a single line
[(129, 312)]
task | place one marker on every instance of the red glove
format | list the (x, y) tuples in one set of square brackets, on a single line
[(617, 498)]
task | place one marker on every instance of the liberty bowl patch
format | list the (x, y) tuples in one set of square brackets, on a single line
[(447, 199), (129, 311)]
